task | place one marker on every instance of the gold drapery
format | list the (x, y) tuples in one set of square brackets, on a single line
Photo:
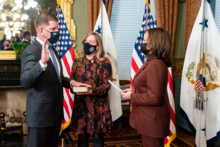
[(93, 12), (166, 17), (192, 10)]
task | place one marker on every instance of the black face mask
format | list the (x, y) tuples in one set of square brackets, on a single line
[(144, 48), (54, 36), (88, 48)]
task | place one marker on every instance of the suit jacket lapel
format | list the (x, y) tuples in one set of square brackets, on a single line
[(142, 67), (59, 62)]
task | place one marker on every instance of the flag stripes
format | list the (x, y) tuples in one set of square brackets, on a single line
[(66, 52)]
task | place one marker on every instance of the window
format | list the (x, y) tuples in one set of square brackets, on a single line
[(217, 13), (126, 19)]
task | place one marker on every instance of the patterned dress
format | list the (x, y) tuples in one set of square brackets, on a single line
[(91, 113)]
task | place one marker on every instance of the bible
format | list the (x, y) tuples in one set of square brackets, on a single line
[(80, 89)]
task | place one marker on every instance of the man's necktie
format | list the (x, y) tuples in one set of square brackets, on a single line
[(54, 61)]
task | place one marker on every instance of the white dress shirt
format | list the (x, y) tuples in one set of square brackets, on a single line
[(25, 40)]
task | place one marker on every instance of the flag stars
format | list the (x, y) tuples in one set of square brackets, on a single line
[(99, 30), (61, 15), (204, 24), (141, 41)]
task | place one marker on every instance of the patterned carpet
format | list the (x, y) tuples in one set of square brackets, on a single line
[(129, 137)]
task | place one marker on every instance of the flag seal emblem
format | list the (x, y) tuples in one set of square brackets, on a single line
[(211, 70)]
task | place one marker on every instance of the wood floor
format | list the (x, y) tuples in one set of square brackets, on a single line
[(128, 137)]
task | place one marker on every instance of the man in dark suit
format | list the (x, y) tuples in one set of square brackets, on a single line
[(26, 37), (41, 74)]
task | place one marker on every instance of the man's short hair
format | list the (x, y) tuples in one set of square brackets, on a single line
[(25, 34), (43, 19)]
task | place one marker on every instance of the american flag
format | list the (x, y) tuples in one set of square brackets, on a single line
[(138, 59), (199, 85), (66, 52)]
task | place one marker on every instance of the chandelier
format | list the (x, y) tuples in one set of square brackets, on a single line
[(13, 14)]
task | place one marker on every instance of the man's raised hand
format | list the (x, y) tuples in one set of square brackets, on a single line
[(45, 54)]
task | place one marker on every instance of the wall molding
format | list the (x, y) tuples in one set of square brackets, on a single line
[(67, 7)]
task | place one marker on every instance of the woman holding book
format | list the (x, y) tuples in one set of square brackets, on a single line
[(91, 114)]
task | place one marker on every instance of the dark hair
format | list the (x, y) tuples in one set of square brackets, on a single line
[(25, 34), (7, 41), (160, 45), (43, 19)]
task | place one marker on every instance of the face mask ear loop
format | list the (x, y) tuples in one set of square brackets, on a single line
[(47, 31)]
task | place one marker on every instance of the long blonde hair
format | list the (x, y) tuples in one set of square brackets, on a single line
[(100, 53)]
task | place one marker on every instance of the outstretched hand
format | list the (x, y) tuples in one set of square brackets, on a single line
[(78, 84)]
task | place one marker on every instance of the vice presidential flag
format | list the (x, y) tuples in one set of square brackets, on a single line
[(138, 59), (66, 52), (103, 28), (200, 87)]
